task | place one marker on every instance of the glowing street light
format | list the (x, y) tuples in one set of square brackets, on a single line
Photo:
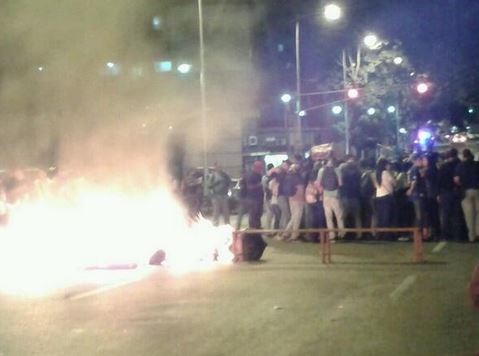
[(332, 12), (302, 113), (403, 131), (471, 110), (391, 109), (184, 68), (371, 111), (398, 60), (371, 41), (422, 88), (337, 109), (286, 98), (110, 65)]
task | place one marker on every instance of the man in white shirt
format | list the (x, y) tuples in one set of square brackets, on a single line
[(329, 182)]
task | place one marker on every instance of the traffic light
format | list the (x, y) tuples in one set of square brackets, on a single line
[(353, 93), (422, 88)]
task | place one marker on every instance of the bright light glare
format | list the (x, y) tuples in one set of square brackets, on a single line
[(424, 136), (398, 60), (371, 111), (286, 98), (353, 93), (403, 131), (391, 109), (184, 68), (371, 41), (156, 22), (52, 239), (332, 12), (337, 109), (110, 65), (422, 88), (302, 113)]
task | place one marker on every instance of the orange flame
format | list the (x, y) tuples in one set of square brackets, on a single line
[(51, 238)]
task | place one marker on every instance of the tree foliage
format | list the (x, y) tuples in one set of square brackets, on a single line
[(383, 80)]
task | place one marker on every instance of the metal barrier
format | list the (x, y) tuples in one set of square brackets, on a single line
[(418, 248)]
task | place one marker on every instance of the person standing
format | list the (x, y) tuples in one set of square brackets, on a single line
[(243, 207), (283, 199), (329, 182), (295, 188), (255, 195), (467, 177), (253, 244), (417, 192), (274, 207), (268, 195), (446, 196), (351, 191), (219, 186), (384, 202)]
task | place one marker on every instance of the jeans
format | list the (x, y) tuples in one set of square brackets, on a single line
[(283, 203), (273, 215), (470, 206), (332, 206), (352, 208), (385, 213), (242, 212), (255, 213), (296, 215), (220, 207)]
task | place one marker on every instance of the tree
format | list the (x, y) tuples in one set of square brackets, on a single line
[(386, 79)]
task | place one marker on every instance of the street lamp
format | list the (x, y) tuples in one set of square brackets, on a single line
[(286, 98), (371, 111), (371, 41), (337, 109), (391, 109), (398, 60), (332, 12)]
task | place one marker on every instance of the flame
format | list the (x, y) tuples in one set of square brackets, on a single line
[(59, 231)]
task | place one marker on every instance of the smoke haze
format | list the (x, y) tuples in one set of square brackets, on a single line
[(61, 101)]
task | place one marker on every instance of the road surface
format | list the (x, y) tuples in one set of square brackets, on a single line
[(371, 301)]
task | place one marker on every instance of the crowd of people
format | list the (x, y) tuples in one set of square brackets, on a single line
[(438, 193)]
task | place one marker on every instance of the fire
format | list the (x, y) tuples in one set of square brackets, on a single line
[(55, 234)]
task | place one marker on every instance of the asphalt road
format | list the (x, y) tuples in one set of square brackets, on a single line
[(371, 301)]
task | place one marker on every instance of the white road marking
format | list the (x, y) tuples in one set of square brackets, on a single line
[(103, 289), (403, 287), (439, 247)]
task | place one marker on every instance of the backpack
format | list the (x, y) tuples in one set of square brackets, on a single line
[(329, 180)]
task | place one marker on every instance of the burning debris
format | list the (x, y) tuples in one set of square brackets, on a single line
[(60, 228)]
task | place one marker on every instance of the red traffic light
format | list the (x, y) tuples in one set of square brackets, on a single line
[(422, 88), (353, 93)]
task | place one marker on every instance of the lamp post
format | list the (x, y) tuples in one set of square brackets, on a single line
[(203, 90), (332, 12)]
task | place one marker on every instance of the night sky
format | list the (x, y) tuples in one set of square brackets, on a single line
[(440, 38)]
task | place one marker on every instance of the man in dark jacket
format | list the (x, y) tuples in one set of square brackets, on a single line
[(350, 191), (449, 202), (253, 244), (467, 177)]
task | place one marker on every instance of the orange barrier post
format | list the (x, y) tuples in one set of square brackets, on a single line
[(323, 246), (418, 247), (328, 244)]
